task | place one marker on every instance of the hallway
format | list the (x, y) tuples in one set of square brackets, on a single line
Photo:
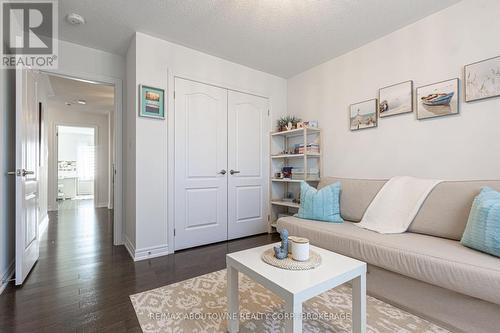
[(82, 283)]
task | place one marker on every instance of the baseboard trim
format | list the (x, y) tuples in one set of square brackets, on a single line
[(130, 247), (102, 205), (43, 225), (7, 276), (151, 252), (145, 253)]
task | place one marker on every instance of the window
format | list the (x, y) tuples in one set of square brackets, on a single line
[(85, 163)]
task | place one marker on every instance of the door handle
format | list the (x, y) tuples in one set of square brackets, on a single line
[(232, 172), (25, 172), (21, 173), (222, 172)]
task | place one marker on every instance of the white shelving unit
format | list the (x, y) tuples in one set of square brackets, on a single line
[(283, 154)]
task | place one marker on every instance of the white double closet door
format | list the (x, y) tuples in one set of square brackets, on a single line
[(221, 167)]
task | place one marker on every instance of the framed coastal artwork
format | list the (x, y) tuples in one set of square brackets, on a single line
[(152, 102), (482, 79), (363, 115), (437, 99), (395, 99)]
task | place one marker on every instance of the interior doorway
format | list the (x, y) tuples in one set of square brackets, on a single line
[(81, 144), (76, 166)]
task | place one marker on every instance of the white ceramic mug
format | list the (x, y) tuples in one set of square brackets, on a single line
[(300, 249)]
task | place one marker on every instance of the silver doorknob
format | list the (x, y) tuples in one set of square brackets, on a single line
[(21, 173), (233, 171), (26, 172), (222, 172)]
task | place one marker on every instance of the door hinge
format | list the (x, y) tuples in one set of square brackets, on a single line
[(174, 232), (174, 94), (268, 218), (268, 112)]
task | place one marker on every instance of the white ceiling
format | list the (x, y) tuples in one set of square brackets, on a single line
[(282, 37), (99, 97)]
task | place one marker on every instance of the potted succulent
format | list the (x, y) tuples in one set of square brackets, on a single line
[(288, 123), (282, 123)]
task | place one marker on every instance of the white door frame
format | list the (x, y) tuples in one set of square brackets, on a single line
[(118, 138), (171, 76), (55, 158)]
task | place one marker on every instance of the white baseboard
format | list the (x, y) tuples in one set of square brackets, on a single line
[(130, 247), (151, 252), (43, 225), (102, 205), (7, 276), (145, 253)]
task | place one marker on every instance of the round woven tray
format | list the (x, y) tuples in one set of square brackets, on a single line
[(290, 264)]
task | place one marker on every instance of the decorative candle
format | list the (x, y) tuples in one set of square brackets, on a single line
[(300, 249)]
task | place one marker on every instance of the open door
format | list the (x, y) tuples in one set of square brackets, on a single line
[(27, 145)]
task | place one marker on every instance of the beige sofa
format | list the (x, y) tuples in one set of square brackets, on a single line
[(425, 270)]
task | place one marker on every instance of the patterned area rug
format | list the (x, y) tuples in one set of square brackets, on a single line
[(199, 305)]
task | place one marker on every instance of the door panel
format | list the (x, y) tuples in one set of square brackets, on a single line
[(248, 150), (27, 145), (200, 154)]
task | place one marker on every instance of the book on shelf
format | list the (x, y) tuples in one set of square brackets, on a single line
[(309, 148)]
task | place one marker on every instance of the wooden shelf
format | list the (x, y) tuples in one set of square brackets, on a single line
[(309, 162), (288, 180), (296, 155), (295, 132), (285, 203)]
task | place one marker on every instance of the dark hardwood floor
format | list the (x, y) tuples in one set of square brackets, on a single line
[(82, 282)]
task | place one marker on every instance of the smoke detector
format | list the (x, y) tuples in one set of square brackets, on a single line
[(75, 19)]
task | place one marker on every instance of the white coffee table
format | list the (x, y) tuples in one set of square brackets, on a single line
[(296, 287)]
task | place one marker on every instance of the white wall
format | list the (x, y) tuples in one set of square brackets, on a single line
[(57, 116), (430, 50), (154, 59), (76, 59), (7, 163)]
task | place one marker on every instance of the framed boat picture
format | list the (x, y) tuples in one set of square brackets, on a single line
[(437, 99), (482, 79), (395, 99), (363, 115), (151, 102)]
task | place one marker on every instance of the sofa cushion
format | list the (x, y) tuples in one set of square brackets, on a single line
[(356, 195), (321, 205), (442, 262), (446, 209), (483, 227)]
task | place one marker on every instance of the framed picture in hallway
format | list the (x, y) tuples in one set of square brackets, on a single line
[(363, 115), (151, 102), (396, 99), (482, 79), (437, 99)]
